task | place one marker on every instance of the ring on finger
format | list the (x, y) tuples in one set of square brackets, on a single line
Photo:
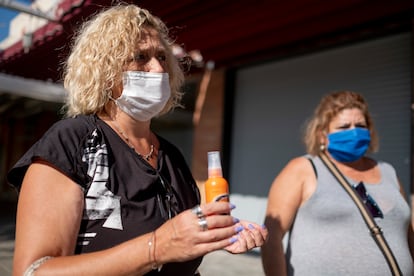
[(197, 211), (202, 222)]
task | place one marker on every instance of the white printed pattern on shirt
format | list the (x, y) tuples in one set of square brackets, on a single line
[(100, 203)]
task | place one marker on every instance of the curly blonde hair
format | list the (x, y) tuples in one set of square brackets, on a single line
[(101, 49), (328, 108)]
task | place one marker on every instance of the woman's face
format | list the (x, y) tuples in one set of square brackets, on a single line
[(149, 57), (347, 119)]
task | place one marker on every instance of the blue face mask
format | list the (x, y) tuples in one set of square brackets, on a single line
[(349, 145)]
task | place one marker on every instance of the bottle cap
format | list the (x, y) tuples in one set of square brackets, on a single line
[(214, 164)]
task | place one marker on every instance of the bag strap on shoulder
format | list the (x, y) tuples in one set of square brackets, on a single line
[(374, 229)]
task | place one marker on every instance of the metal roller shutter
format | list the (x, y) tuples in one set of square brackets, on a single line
[(273, 100)]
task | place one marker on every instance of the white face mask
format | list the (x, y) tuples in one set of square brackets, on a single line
[(144, 94)]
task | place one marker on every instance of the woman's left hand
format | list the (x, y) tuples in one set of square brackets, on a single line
[(252, 235)]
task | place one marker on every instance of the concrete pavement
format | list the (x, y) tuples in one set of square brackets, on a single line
[(222, 263), (7, 228)]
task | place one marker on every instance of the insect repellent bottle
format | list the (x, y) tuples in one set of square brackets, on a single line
[(216, 186)]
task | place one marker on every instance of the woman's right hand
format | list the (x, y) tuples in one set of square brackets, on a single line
[(182, 238)]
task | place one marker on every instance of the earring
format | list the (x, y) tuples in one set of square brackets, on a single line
[(322, 147)]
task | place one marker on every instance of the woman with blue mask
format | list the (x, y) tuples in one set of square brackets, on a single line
[(102, 194), (327, 234)]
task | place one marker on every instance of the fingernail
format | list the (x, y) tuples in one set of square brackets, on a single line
[(233, 240), (239, 228), (251, 226), (236, 220), (232, 206), (264, 226)]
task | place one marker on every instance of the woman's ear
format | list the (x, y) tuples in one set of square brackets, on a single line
[(117, 90), (322, 136)]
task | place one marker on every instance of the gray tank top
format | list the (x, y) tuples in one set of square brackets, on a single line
[(330, 237)]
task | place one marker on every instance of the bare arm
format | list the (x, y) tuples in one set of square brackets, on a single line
[(410, 231), (411, 240), (48, 218), (294, 185)]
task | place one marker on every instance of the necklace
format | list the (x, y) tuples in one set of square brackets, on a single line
[(147, 157)]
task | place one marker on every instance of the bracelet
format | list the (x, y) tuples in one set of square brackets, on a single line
[(151, 252), (35, 265)]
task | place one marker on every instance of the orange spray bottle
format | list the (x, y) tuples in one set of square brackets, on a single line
[(216, 186)]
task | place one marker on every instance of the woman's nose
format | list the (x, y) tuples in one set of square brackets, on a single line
[(154, 65)]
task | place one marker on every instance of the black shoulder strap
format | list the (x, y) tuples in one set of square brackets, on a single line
[(375, 230), (313, 166)]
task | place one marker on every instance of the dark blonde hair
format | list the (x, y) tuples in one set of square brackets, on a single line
[(329, 107), (101, 49)]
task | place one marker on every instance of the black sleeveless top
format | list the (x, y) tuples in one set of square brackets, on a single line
[(124, 195)]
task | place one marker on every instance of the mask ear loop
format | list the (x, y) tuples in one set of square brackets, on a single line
[(109, 93)]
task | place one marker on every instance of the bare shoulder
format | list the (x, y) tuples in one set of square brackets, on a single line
[(289, 190), (299, 166), (297, 178), (294, 175)]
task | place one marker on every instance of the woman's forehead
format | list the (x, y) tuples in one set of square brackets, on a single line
[(150, 38), (349, 114)]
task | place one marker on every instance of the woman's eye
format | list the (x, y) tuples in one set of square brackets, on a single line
[(343, 127), (140, 57), (162, 58)]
